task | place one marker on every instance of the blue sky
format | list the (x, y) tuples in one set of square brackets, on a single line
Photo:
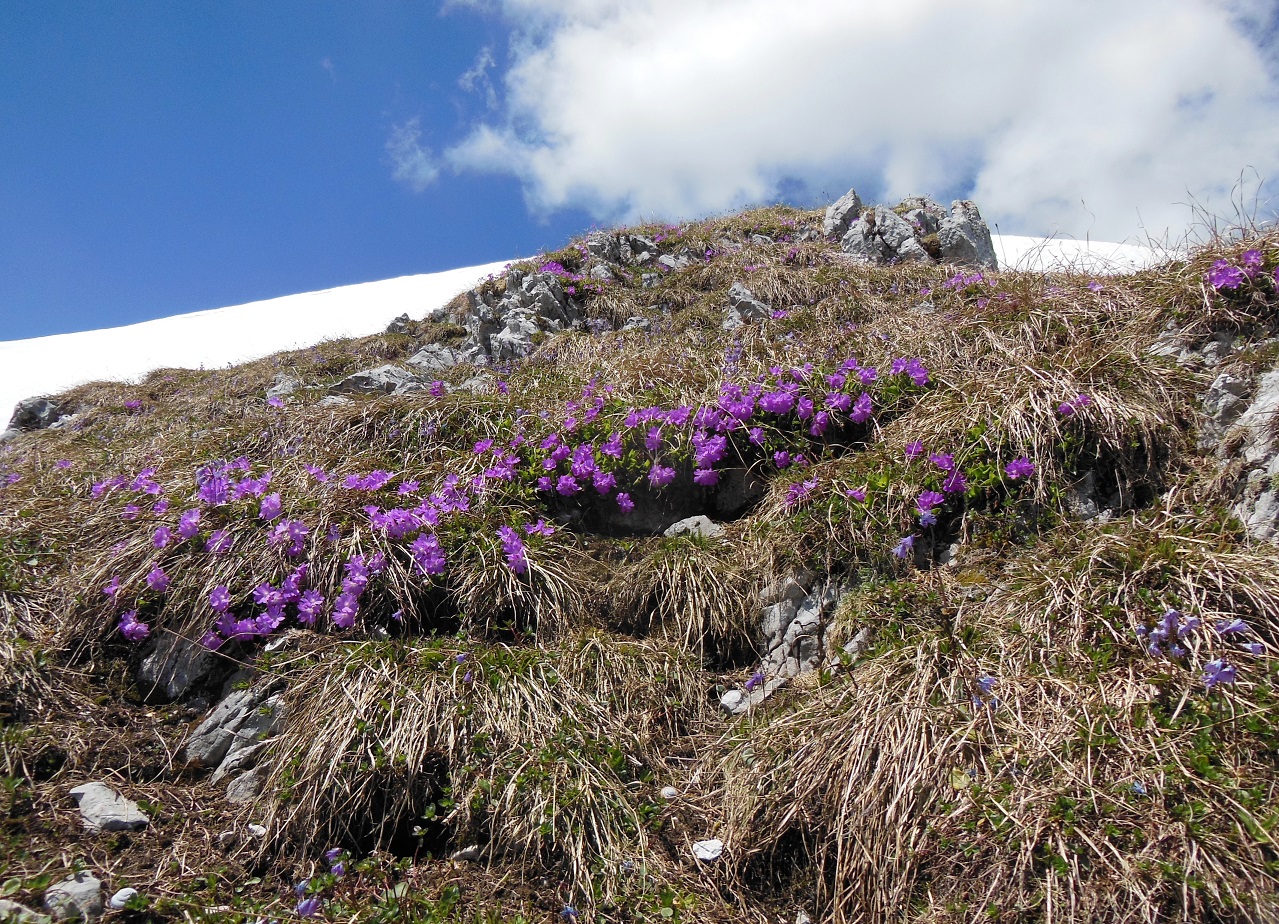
[(162, 157)]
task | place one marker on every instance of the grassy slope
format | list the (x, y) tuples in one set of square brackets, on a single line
[(1095, 783)]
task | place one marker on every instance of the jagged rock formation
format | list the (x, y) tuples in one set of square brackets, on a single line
[(916, 230)]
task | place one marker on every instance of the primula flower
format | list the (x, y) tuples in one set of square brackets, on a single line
[(62, 463), (157, 580), (955, 483), (1224, 276), (754, 680), (904, 547), (756, 435), (857, 494), (624, 501), (189, 523), (862, 409), (1232, 627), (1251, 260), (513, 549), (160, 506), (113, 587), (1019, 468), (943, 460), (914, 450), (781, 458), (706, 477), (659, 476), (567, 486), (309, 605), (428, 557), (130, 512), (270, 507), (653, 441), (220, 599), (219, 541), (162, 537), (317, 473), (604, 482), (131, 629)]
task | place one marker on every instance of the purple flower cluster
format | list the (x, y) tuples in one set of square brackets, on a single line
[(1226, 275)]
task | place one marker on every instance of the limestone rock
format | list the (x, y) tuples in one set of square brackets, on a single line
[(434, 357), (1258, 421), (14, 913), (34, 414), (77, 898), (284, 386), (965, 238), (696, 525), (839, 216), (104, 809), (383, 380), (244, 788), (400, 325), (173, 666), (743, 306)]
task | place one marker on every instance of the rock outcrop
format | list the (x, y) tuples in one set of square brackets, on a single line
[(916, 230)]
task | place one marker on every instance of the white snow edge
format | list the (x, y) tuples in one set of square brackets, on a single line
[(225, 336)]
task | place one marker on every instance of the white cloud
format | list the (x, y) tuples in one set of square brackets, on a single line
[(411, 164), (477, 77), (1047, 113)]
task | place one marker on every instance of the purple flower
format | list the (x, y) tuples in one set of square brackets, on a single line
[(513, 549), (567, 486), (220, 599), (781, 458), (275, 401), (986, 684), (309, 605), (1224, 276), (160, 506), (189, 523), (131, 629), (113, 587), (1254, 648), (653, 441), (157, 580), (604, 481), (317, 473), (1019, 468), (904, 547), (943, 460), (62, 463), (927, 500), (706, 477), (955, 483), (308, 907), (1232, 627), (1219, 671), (624, 501), (482, 447), (862, 409), (219, 541), (428, 557), (1251, 262), (777, 402), (914, 450), (659, 476), (755, 680), (270, 507), (545, 483), (162, 537), (857, 494)]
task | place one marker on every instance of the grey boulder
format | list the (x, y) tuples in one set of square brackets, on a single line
[(965, 238), (743, 306), (696, 525), (173, 666), (104, 809), (434, 357), (77, 898), (244, 788), (383, 380), (34, 414), (840, 215)]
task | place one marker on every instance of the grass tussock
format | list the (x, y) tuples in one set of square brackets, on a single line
[(500, 650)]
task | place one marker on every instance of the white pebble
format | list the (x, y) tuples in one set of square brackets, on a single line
[(669, 793), (119, 899)]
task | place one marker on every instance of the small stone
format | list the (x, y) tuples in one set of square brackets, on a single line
[(669, 792), (467, 854), (77, 898), (226, 839), (709, 849), (13, 913), (121, 898), (434, 357), (697, 525), (104, 809), (383, 380), (244, 788), (399, 325), (802, 917), (257, 831)]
